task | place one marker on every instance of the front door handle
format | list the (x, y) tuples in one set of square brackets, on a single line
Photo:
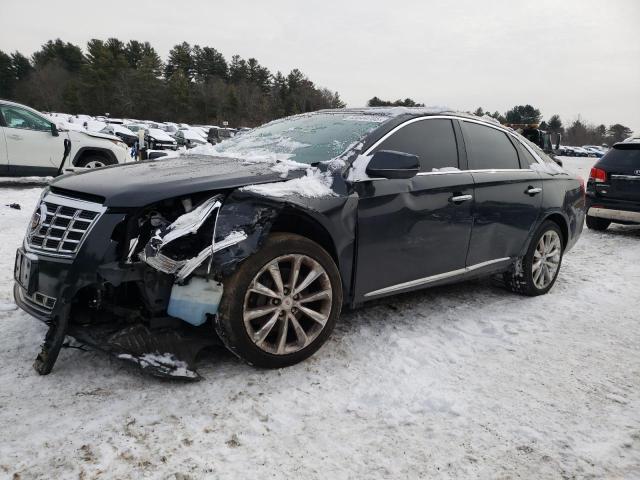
[(461, 198), (15, 137), (533, 190)]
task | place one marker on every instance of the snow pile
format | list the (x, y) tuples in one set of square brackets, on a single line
[(358, 170), (164, 362), (312, 185), (23, 181), (463, 381), (550, 167)]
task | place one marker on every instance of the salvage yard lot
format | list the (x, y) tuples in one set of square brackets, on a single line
[(454, 382)]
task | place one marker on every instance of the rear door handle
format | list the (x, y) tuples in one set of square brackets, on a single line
[(461, 198), (533, 190)]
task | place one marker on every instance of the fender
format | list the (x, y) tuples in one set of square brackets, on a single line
[(100, 150), (543, 217), (333, 217)]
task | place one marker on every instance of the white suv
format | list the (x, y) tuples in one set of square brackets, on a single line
[(30, 144)]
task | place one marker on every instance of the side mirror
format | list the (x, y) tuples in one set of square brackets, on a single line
[(393, 165), (54, 130)]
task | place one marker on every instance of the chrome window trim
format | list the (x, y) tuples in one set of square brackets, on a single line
[(434, 278), (485, 170), (402, 125), (509, 132), (513, 135)]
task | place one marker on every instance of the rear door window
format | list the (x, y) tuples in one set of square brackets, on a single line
[(489, 148)]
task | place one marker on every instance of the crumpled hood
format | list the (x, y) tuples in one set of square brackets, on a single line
[(142, 183)]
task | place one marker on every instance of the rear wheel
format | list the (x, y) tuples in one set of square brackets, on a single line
[(540, 266), (599, 224), (281, 304)]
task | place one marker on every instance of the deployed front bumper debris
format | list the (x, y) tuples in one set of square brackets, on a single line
[(168, 352)]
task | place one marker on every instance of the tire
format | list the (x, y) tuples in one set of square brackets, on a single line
[(526, 279), (95, 161), (598, 224), (243, 332)]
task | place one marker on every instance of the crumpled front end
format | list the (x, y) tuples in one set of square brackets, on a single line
[(140, 284)]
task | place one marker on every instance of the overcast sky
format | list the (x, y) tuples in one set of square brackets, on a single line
[(569, 57)]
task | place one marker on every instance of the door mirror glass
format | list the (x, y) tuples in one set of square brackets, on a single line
[(54, 130), (393, 165)]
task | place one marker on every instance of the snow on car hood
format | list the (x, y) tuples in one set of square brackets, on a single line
[(105, 136), (138, 184), (160, 135)]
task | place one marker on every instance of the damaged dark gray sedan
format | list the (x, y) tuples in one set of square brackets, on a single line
[(261, 242)]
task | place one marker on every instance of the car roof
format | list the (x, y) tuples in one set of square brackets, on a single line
[(406, 113)]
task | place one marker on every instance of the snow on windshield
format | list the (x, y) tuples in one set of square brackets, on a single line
[(306, 139), (295, 143)]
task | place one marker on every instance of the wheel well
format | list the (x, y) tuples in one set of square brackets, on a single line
[(91, 152), (291, 221), (562, 224)]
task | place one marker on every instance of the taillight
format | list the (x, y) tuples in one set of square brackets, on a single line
[(598, 175)]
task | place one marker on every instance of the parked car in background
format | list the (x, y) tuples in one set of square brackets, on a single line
[(31, 144), (581, 152), (171, 251), (217, 134), (157, 139), (188, 138), (200, 130), (594, 150), (122, 132), (613, 189)]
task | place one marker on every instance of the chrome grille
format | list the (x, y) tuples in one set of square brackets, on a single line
[(60, 224)]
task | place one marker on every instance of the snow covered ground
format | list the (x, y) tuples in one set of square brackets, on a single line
[(465, 381)]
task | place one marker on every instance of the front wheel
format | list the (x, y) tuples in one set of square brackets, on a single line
[(95, 161), (541, 265), (281, 304)]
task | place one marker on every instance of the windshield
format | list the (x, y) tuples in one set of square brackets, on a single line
[(307, 138)]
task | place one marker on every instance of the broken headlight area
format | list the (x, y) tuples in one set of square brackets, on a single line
[(154, 301)]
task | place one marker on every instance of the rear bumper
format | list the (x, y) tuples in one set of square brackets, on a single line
[(616, 210), (614, 215)]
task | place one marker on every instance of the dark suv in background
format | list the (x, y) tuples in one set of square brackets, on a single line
[(613, 190)]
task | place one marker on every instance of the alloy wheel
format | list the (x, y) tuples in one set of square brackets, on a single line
[(287, 304), (546, 259), (94, 164)]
